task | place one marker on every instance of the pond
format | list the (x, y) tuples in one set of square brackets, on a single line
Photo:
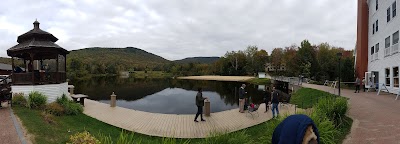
[(168, 96)]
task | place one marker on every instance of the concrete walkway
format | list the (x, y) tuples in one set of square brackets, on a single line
[(178, 126), (376, 118), (8, 133)]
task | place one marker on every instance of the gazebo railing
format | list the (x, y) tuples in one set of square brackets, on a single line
[(38, 78)]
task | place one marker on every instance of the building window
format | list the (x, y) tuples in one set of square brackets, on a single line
[(377, 48), (387, 42), (373, 28), (394, 8), (387, 76), (376, 24), (396, 76), (376, 5), (396, 38), (388, 14), (372, 50)]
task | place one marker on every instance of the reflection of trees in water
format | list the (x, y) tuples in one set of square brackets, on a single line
[(127, 89), (100, 88)]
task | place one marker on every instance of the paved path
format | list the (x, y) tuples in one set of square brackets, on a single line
[(376, 117), (8, 133), (178, 126), (218, 78)]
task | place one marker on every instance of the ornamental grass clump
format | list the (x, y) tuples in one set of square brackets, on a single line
[(70, 107), (36, 100), (19, 99), (83, 138), (333, 108)]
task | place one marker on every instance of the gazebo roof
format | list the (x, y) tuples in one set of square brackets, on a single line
[(36, 40)]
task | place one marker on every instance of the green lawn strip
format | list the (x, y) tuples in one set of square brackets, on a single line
[(306, 97), (58, 133), (259, 81)]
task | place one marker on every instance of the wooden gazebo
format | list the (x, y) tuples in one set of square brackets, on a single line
[(34, 47)]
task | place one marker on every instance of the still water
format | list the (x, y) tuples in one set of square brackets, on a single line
[(168, 96)]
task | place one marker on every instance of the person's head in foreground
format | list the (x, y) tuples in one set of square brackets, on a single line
[(296, 129), (243, 85), (199, 89)]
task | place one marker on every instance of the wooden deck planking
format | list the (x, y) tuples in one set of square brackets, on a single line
[(172, 125)]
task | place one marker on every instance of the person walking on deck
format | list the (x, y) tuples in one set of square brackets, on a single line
[(267, 98), (358, 82), (242, 92), (199, 103), (275, 102)]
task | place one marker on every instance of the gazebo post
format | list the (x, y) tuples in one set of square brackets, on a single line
[(24, 65), (65, 68), (57, 74), (32, 71), (12, 71)]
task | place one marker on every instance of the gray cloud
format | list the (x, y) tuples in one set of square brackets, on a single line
[(182, 28)]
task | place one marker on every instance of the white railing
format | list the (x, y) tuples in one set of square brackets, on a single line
[(375, 56), (395, 48), (387, 51)]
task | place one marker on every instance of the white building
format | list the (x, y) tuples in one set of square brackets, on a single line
[(383, 47)]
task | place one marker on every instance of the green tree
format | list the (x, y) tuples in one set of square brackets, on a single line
[(306, 55)]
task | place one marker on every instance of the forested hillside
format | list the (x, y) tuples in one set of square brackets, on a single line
[(204, 60)]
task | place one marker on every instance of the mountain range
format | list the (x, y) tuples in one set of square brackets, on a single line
[(126, 56)]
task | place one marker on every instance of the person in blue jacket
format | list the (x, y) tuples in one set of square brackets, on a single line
[(296, 129)]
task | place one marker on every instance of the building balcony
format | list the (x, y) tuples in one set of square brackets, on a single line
[(387, 51), (395, 48)]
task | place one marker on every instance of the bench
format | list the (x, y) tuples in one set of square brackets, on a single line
[(81, 98)]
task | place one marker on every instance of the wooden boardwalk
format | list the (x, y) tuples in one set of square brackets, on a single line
[(177, 126)]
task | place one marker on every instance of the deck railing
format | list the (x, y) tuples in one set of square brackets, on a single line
[(38, 78)]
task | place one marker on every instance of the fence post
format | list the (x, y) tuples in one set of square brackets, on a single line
[(113, 100)]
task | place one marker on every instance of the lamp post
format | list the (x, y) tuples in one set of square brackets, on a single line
[(339, 54)]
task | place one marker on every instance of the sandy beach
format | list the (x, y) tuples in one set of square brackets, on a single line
[(218, 78)]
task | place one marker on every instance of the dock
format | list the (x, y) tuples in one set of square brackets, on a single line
[(178, 126)]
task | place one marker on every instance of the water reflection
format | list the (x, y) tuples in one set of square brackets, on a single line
[(169, 96)]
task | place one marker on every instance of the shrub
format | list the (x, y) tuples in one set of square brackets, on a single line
[(124, 138), (83, 138), (36, 100), (19, 99), (62, 100), (72, 108), (333, 108), (326, 128), (55, 109)]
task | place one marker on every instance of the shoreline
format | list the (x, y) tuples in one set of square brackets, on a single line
[(218, 78)]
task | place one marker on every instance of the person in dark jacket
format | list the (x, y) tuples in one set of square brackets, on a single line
[(275, 102), (199, 103), (267, 97), (242, 92), (296, 129)]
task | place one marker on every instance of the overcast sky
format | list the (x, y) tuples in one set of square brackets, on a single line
[(182, 28)]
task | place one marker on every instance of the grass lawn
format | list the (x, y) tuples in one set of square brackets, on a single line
[(306, 97), (259, 81), (64, 126)]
